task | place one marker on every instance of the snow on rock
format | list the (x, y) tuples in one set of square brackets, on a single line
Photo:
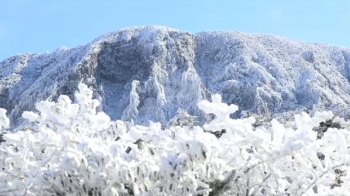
[(147, 73)]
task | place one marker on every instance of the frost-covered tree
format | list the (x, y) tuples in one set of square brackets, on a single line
[(71, 149)]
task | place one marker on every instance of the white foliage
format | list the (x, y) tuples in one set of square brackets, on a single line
[(4, 121), (71, 149), (131, 111)]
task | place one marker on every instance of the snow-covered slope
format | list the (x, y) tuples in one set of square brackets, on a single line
[(148, 73)]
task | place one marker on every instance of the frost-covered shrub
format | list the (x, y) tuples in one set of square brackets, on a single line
[(74, 150), (70, 149)]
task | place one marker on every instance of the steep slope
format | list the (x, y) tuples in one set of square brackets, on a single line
[(148, 73)]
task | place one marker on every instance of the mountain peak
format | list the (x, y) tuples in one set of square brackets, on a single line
[(148, 73), (139, 31)]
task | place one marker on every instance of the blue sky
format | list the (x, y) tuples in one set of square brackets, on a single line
[(44, 25)]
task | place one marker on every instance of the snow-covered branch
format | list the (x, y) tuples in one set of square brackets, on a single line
[(73, 149)]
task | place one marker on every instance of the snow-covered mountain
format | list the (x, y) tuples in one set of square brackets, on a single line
[(148, 73)]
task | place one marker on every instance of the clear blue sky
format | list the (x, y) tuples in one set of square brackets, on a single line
[(44, 25)]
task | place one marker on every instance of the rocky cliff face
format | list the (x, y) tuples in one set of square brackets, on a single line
[(148, 73)]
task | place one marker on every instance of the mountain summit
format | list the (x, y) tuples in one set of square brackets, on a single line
[(151, 73)]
